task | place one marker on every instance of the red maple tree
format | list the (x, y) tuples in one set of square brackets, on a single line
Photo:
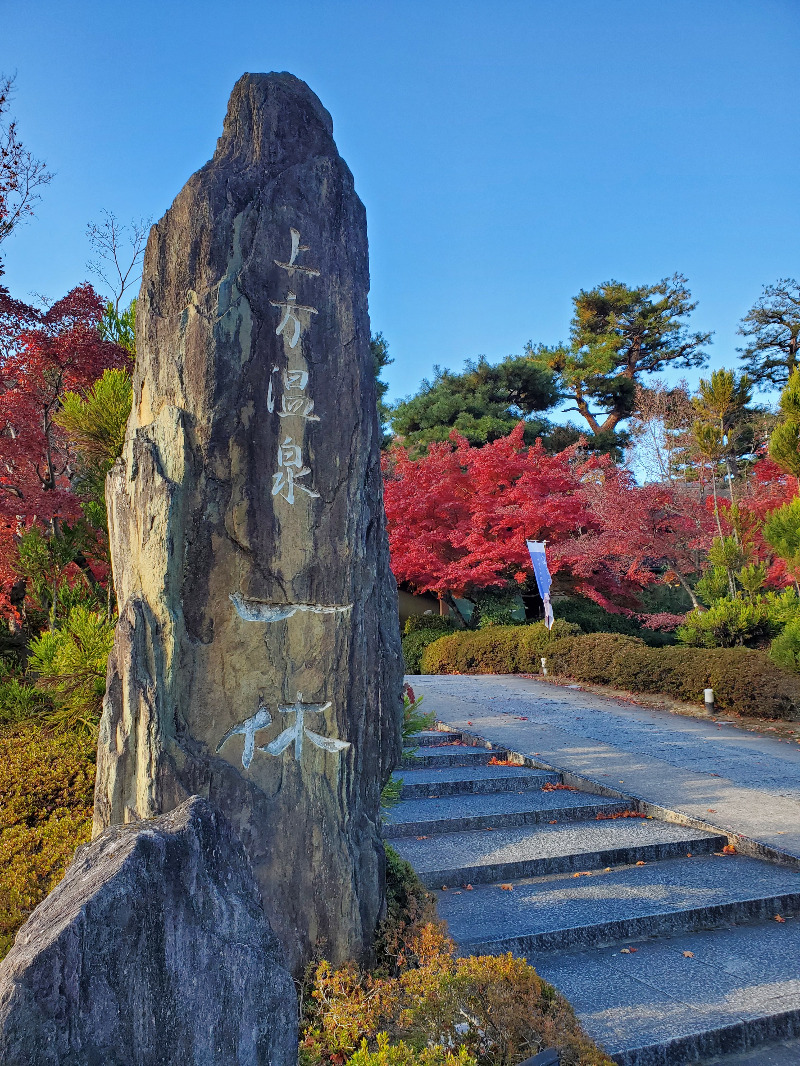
[(458, 519), (43, 354)]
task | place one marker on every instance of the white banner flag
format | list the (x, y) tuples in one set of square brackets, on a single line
[(543, 579)]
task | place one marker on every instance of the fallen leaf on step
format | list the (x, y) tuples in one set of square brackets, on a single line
[(641, 862), (607, 869), (688, 954), (444, 888), (628, 951), (688, 854), (553, 823), (583, 873), (729, 849), (468, 888), (489, 828), (507, 888), (602, 817), (779, 919), (711, 810), (422, 838)]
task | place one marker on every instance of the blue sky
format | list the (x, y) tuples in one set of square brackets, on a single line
[(509, 152)]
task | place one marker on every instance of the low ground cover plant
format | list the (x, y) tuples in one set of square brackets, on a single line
[(46, 795)]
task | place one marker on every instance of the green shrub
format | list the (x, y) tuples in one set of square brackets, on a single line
[(414, 721), (401, 1054), (536, 640), (409, 907), (729, 624), (416, 622), (499, 607), (19, 701), (70, 665), (484, 651), (713, 585), (785, 649), (419, 632), (783, 606)]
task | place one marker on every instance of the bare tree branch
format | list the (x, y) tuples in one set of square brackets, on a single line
[(21, 175), (119, 249)]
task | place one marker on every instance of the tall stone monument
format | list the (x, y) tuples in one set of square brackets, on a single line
[(256, 659)]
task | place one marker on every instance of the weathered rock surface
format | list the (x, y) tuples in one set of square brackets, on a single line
[(257, 657), (153, 951)]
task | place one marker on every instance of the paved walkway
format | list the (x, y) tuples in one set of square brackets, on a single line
[(741, 782)]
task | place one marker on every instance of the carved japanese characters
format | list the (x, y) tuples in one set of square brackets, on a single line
[(257, 655)]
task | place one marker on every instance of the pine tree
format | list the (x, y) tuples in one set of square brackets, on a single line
[(784, 444), (620, 335), (773, 327)]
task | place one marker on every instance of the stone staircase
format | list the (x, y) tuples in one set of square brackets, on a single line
[(667, 947)]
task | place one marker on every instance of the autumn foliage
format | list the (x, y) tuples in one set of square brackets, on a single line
[(485, 1010), (43, 354), (459, 518)]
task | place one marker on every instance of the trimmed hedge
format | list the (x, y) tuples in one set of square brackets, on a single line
[(418, 633), (745, 681), (495, 650)]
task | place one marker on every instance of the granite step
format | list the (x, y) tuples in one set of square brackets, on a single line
[(774, 1053), (685, 998), (497, 809), (706, 971), (558, 912), (480, 856), (434, 757), (461, 781), (433, 738)]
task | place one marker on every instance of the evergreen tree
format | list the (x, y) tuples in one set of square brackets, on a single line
[(482, 403), (620, 335), (120, 326), (721, 403), (784, 444), (379, 347), (773, 327)]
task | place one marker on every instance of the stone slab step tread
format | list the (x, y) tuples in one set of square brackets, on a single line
[(681, 998), (480, 856), (449, 756), (561, 911), (432, 737), (454, 781), (453, 813), (780, 1053)]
